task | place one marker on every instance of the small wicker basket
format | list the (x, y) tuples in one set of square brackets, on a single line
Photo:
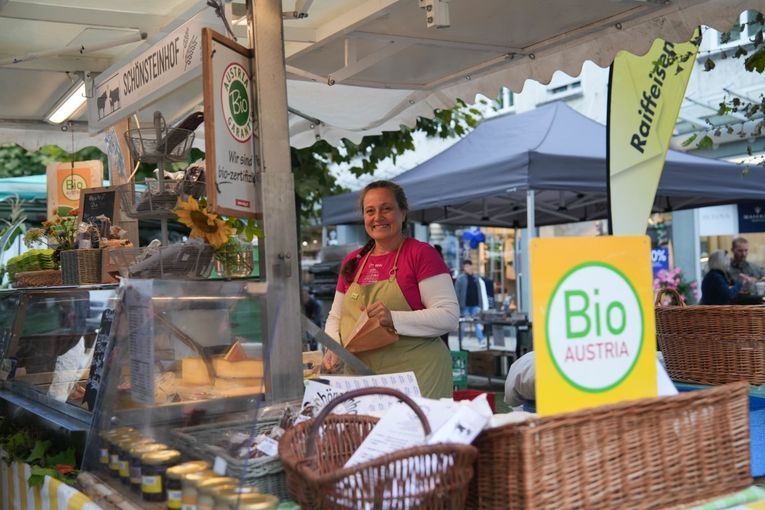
[(79, 267), (712, 344), (646, 454), (44, 278), (425, 477)]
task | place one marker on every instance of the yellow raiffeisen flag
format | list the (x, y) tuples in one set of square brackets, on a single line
[(645, 94)]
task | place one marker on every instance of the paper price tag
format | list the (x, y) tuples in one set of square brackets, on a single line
[(268, 446), (219, 466)]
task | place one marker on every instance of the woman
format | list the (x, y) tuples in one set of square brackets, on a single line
[(716, 287), (403, 283)]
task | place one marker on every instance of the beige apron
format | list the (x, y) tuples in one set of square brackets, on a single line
[(427, 357)]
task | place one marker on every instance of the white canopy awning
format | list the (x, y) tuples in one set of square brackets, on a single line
[(385, 65)]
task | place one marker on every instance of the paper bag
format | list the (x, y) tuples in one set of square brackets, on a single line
[(368, 334)]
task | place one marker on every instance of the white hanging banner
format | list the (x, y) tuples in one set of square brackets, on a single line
[(169, 63)]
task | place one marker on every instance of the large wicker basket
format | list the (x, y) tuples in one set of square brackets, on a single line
[(713, 344), (646, 454), (423, 477), (80, 267)]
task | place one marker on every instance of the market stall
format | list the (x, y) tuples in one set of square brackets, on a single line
[(191, 372)]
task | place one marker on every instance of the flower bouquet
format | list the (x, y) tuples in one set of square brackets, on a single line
[(231, 238), (673, 279), (59, 232)]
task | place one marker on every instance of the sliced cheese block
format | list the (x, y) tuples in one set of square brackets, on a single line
[(235, 352), (224, 383), (238, 369), (194, 371)]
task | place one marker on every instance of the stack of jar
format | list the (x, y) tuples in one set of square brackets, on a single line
[(206, 490), (153, 469)]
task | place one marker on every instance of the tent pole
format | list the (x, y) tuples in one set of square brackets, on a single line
[(530, 233)]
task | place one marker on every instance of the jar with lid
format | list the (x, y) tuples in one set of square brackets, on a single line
[(153, 468), (229, 499), (134, 461), (262, 502), (189, 483), (103, 448), (123, 448), (206, 490), (114, 451), (173, 481)]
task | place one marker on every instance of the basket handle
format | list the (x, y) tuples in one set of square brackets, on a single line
[(672, 292), (376, 390)]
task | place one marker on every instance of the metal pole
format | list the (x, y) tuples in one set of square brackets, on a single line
[(531, 225), (284, 372)]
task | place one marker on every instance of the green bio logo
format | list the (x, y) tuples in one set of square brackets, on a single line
[(594, 327), (235, 99)]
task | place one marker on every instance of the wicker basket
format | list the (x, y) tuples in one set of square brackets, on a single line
[(422, 477), (185, 261), (44, 278), (265, 473), (713, 344), (650, 453), (80, 267)]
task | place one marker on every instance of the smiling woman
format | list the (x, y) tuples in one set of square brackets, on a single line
[(404, 286)]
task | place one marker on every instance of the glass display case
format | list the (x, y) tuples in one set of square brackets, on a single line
[(188, 368), (46, 347)]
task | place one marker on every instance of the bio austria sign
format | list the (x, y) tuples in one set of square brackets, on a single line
[(593, 318)]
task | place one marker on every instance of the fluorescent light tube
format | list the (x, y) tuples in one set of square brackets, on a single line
[(74, 99)]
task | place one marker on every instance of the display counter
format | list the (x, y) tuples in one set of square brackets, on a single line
[(46, 344)]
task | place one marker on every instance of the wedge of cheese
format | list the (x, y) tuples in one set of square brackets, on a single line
[(245, 369), (235, 352), (194, 371)]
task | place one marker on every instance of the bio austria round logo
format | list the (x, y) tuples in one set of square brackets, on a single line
[(594, 327), (235, 98)]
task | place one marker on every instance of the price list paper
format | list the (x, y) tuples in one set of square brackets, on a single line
[(141, 340)]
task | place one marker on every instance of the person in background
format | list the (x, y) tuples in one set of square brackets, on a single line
[(717, 287), (311, 306), (404, 284), (740, 266), (471, 295)]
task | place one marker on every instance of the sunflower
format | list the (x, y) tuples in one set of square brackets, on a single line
[(203, 224)]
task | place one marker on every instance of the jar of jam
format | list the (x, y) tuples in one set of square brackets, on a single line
[(206, 490), (134, 461), (153, 468), (123, 447), (114, 451), (103, 448), (189, 482), (173, 481), (262, 502), (230, 499)]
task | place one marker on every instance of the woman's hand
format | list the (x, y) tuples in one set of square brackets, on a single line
[(379, 311), (330, 362)]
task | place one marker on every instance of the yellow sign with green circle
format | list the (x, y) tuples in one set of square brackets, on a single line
[(593, 321)]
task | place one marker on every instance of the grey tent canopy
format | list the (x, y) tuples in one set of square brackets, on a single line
[(557, 153)]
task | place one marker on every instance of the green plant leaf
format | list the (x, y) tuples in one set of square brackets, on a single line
[(63, 457), (705, 143), (709, 64), (689, 140), (38, 451), (756, 61)]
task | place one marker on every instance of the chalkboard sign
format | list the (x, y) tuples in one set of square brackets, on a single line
[(101, 350), (95, 202)]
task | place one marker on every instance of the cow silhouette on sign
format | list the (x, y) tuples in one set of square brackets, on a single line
[(101, 103), (114, 98)]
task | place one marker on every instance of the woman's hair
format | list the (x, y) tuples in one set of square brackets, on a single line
[(718, 260), (349, 269)]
